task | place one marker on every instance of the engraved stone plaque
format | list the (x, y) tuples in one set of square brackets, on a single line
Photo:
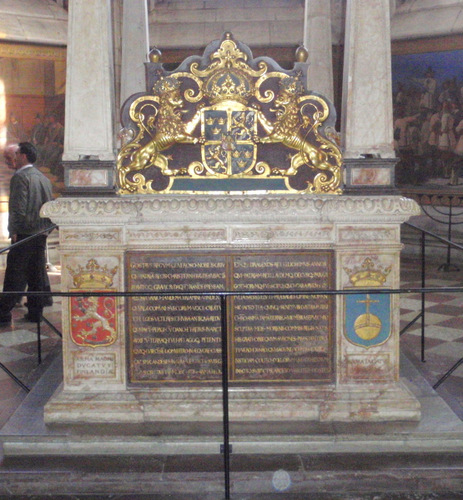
[(282, 337), (175, 338), (271, 338)]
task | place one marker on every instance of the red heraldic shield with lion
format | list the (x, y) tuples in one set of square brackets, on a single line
[(93, 320)]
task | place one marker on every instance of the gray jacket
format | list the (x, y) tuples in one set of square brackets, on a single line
[(29, 190)]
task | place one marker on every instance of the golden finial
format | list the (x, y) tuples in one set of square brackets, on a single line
[(155, 55), (302, 54)]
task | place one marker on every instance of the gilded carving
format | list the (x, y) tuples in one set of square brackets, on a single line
[(228, 117), (92, 276)]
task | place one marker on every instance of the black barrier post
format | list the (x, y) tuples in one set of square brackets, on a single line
[(423, 295), (39, 340), (226, 423)]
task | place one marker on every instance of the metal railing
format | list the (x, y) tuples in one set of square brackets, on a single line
[(224, 297), (446, 209), (21, 294), (421, 315)]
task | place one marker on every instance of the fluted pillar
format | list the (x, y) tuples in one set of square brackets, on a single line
[(317, 40), (367, 123), (89, 143)]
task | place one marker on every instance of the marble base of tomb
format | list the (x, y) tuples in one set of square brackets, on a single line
[(357, 378), (276, 404)]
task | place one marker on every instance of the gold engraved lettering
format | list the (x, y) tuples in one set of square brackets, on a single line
[(282, 337)]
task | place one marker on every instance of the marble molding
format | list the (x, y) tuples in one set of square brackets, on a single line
[(366, 385)]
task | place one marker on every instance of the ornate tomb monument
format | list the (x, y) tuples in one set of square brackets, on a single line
[(230, 180)]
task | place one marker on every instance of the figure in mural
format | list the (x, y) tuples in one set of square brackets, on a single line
[(429, 84), (428, 124), (52, 149), (38, 132), (14, 130)]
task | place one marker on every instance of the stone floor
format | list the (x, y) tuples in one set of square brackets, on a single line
[(19, 350), (444, 327), (369, 468)]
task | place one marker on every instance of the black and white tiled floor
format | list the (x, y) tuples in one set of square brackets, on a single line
[(19, 354), (443, 328)]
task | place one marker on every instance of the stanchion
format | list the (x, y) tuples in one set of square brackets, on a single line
[(226, 423)]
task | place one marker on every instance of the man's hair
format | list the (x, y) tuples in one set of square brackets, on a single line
[(28, 149)]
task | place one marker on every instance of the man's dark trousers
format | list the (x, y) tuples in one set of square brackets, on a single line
[(25, 266)]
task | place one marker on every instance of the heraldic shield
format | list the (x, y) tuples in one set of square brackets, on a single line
[(226, 122), (228, 147), (367, 319), (93, 320)]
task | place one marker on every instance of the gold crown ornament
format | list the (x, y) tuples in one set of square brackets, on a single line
[(367, 275), (166, 85), (92, 276), (229, 84)]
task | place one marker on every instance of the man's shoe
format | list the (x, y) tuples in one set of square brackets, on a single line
[(33, 318)]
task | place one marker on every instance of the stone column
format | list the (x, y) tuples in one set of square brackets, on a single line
[(89, 142), (367, 123), (135, 47), (317, 40)]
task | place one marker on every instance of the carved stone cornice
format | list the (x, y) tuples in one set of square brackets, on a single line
[(134, 210)]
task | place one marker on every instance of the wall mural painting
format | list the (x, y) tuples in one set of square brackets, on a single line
[(428, 119), (32, 81), (47, 134)]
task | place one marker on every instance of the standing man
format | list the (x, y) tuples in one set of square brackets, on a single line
[(29, 190)]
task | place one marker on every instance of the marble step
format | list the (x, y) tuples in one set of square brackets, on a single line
[(407, 475)]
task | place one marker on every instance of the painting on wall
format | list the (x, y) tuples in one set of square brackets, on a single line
[(32, 90), (428, 119)]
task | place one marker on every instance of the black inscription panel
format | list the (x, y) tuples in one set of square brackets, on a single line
[(271, 338), (282, 337), (175, 338)]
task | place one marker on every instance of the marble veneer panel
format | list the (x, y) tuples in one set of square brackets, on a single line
[(363, 233)]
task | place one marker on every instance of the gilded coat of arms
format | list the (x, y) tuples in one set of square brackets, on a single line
[(227, 122)]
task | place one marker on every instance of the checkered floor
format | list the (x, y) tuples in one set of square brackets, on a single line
[(19, 353), (444, 338), (443, 328)]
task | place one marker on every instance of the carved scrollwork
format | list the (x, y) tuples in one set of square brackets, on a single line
[(230, 118)]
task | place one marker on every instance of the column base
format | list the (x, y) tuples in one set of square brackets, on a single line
[(89, 178), (369, 176)]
